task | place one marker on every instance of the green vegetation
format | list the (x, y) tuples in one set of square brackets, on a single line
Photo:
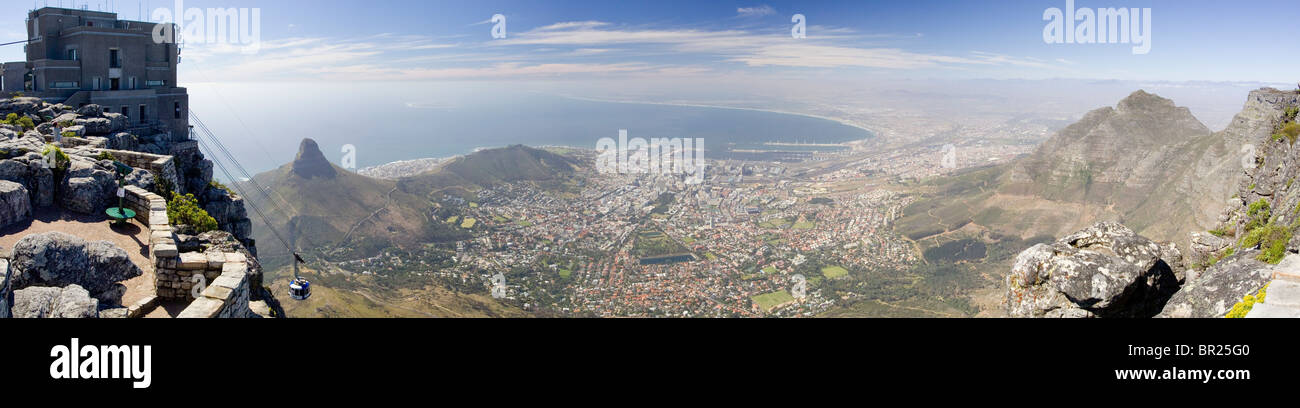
[(1289, 131), (185, 210), (1221, 232), (22, 121), (70, 135), (67, 123), (217, 185), (769, 301), (805, 225), (61, 159), (770, 270), (1247, 303), (1261, 232), (651, 243), (468, 223), (835, 272), (105, 155)]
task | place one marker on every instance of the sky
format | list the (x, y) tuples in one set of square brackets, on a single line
[(423, 40)]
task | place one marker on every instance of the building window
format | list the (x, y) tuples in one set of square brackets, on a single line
[(178, 110), (155, 83), (64, 85), (126, 111), (132, 83), (72, 54), (114, 58), (96, 82), (144, 114)]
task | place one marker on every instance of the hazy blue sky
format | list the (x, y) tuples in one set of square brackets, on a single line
[(337, 40)]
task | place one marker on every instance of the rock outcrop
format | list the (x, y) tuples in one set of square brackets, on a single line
[(1214, 291), (310, 162), (88, 186), (15, 204), (1105, 270), (59, 259), (71, 302)]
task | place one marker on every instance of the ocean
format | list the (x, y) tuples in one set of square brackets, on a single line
[(262, 124)]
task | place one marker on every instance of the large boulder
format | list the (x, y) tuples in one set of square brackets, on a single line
[(96, 126), (15, 204), (1105, 270), (21, 106), (29, 170), (91, 111), (89, 186), (1215, 291), (6, 296), (59, 259), (71, 302)]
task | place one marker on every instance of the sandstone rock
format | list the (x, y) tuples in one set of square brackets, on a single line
[(22, 106), (71, 302), (88, 187), (117, 122), (74, 131), (96, 126), (91, 110), (1105, 270), (15, 204), (6, 296), (1214, 292), (59, 259)]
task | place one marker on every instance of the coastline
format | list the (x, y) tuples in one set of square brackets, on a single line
[(841, 121)]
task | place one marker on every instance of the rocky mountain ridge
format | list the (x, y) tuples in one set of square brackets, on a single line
[(1253, 235)]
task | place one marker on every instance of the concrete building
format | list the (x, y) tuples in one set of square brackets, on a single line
[(80, 57)]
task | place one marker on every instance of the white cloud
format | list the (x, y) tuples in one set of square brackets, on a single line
[(764, 10)]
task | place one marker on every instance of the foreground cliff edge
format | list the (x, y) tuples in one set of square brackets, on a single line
[(1246, 265)]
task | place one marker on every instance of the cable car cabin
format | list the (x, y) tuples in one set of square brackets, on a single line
[(300, 289)]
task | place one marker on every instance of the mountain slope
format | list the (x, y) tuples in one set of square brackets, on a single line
[(1146, 162), (489, 167), (320, 204)]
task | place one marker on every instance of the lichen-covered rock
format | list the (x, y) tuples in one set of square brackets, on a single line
[(71, 302), (1105, 270), (15, 204), (22, 106), (59, 259), (1214, 292), (88, 187), (96, 126), (6, 296), (91, 110)]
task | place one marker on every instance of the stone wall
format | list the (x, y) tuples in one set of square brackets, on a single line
[(226, 298), (175, 278), (162, 166)]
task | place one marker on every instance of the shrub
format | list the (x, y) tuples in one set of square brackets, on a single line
[(1221, 232), (1290, 131), (22, 121), (1271, 239), (70, 134), (217, 184), (61, 159), (104, 155), (1257, 214), (1247, 303), (185, 210)]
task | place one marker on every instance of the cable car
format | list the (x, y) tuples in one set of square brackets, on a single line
[(299, 288)]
